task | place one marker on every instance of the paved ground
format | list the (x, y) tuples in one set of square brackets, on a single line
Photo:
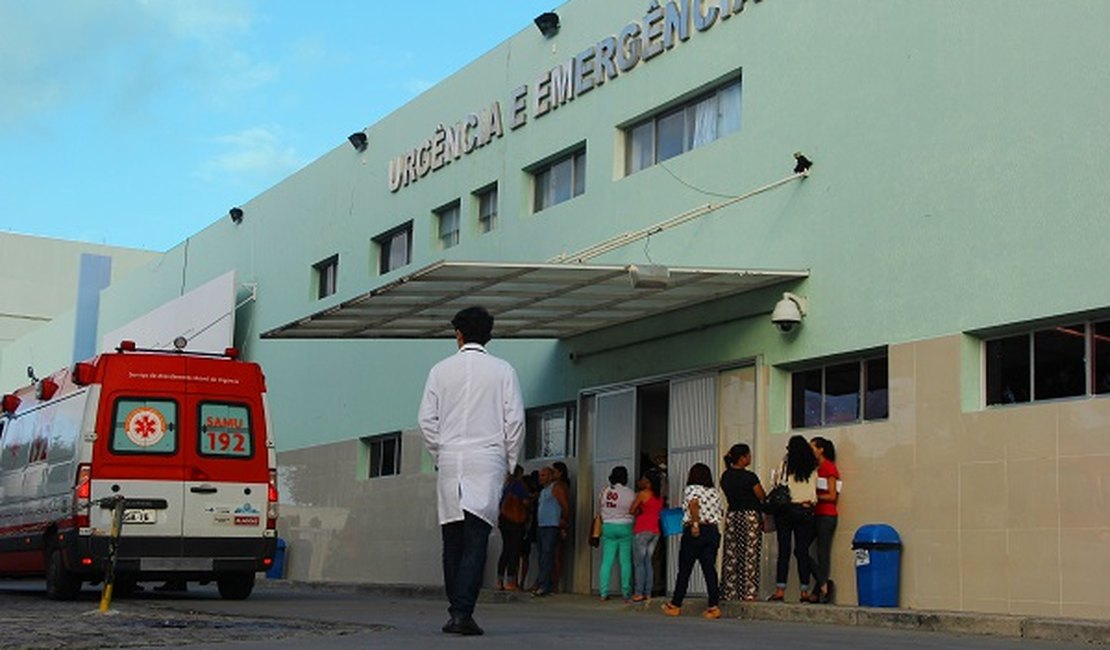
[(298, 617)]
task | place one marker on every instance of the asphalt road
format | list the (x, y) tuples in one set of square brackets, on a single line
[(299, 618)]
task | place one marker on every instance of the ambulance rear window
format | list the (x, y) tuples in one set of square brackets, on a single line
[(225, 430), (144, 426)]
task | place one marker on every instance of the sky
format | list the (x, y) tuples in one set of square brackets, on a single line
[(138, 123)]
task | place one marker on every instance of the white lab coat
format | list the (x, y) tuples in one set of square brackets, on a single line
[(472, 419)]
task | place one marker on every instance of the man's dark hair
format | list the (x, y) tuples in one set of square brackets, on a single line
[(475, 324)]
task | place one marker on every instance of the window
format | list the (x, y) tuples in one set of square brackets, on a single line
[(839, 393), (677, 130), (549, 432), (385, 454), (487, 208), (448, 221), (326, 271), (1049, 363), (560, 181), (394, 248), (225, 431), (144, 426)]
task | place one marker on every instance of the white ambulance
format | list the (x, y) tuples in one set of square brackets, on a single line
[(184, 438)]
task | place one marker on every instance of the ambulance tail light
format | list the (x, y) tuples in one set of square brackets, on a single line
[(126, 346), (83, 373), (272, 502), (82, 491), (9, 403), (46, 389), (231, 353)]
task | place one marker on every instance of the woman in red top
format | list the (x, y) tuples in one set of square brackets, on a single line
[(645, 534), (825, 516)]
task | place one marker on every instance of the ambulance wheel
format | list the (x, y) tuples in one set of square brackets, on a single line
[(60, 583), (235, 586)]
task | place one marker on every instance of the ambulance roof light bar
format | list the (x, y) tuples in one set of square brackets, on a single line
[(179, 344)]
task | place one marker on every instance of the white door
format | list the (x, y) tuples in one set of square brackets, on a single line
[(614, 435), (692, 438)]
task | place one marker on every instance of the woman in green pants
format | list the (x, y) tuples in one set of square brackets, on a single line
[(615, 507)]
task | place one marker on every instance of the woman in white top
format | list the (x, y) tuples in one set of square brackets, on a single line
[(615, 506), (795, 524), (702, 516)]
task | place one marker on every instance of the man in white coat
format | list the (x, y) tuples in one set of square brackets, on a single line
[(472, 418)]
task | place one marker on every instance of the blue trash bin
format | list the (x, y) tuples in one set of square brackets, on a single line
[(878, 550), (277, 569)]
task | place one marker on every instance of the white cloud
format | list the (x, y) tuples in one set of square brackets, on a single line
[(251, 156)]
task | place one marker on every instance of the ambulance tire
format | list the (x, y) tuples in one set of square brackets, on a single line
[(235, 586), (60, 583)]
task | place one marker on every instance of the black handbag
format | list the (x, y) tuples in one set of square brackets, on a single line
[(778, 500)]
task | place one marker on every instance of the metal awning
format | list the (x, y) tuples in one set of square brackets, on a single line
[(528, 301)]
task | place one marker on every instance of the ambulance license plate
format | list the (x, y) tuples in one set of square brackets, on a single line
[(140, 516)]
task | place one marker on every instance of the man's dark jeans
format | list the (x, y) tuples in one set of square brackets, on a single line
[(464, 559), (548, 539)]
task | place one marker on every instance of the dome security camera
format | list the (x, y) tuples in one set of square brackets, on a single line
[(788, 312)]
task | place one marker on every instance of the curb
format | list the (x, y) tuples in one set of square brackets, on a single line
[(1069, 630)]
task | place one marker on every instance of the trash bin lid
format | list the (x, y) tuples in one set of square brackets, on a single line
[(280, 543), (880, 535)]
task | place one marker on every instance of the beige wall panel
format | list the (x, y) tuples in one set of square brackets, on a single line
[(935, 561), (983, 568), (936, 500), (1026, 431), (937, 366), (1033, 571), (1033, 495), (1084, 427), (1085, 492), (983, 495), (1084, 568)]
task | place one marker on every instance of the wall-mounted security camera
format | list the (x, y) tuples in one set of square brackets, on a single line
[(788, 312)]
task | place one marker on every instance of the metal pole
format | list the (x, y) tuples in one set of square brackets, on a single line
[(113, 551)]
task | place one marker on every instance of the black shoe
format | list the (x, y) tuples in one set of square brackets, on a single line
[(830, 593), (449, 626), (463, 625)]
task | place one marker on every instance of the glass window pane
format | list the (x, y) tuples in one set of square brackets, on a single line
[(842, 391), (541, 197), (145, 427), (487, 210), (1059, 362), (449, 226), (702, 120), (562, 180), (389, 456), (671, 135), (579, 173), (729, 110), (1100, 346), (640, 147), (876, 402), (805, 399), (1008, 370), (225, 430)]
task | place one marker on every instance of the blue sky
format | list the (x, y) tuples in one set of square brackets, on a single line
[(139, 122)]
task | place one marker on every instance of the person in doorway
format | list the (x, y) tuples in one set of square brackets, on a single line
[(743, 526), (511, 522), (645, 534), (562, 490), (532, 483), (472, 420), (824, 517), (795, 524), (702, 515), (550, 526), (615, 507)]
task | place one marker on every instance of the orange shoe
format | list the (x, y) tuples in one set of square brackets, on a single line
[(712, 613), (671, 610)]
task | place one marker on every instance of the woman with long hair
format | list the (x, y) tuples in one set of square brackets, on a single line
[(645, 533), (743, 526), (795, 524), (562, 487), (825, 516), (701, 536)]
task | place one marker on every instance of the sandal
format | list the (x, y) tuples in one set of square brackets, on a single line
[(671, 610), (775, 598), (638, 598), (712, 613)]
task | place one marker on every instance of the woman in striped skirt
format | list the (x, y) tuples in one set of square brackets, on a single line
[(743, 528)]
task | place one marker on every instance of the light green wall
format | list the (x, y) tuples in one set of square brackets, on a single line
[(959, 150)]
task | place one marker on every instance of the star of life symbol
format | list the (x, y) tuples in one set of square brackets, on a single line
[(145, 426)]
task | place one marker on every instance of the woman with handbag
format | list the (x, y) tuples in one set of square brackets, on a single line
[(511, 521), (615, 508), (794, 523), (743, 527), (702, 515)]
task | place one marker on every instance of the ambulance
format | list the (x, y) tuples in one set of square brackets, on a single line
[(182, 438)]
